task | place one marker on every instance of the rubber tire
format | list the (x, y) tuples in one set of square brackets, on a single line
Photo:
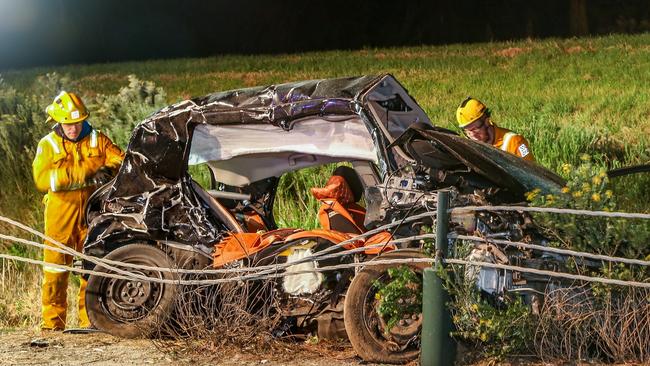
[(353, 312), (145, 254)]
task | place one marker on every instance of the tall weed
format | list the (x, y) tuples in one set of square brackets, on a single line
[(295, 207)]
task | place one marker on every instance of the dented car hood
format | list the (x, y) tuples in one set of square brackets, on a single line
[(449, 151)]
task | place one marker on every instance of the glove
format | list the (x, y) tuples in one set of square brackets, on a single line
[(101, 177)]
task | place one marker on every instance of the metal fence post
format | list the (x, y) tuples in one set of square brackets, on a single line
[(437, 347)]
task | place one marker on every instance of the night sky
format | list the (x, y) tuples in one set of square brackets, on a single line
[(56, 32)]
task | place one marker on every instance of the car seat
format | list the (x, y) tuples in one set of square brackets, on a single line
[(339, 210)]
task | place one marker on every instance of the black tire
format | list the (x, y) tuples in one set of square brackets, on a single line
[(363, 323), (132, 309)]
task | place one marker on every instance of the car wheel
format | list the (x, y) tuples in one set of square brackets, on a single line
[(364, 325), (132, 308)]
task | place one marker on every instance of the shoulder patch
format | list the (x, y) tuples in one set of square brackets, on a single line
[(523, 150)]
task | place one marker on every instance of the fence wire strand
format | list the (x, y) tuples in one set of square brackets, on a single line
[(273, 270), (567, 211), (345, 266), (572, 253)]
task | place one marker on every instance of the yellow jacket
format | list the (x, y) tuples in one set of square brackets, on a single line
[(63, 165), (513, 143)]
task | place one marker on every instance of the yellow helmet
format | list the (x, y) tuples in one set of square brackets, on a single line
[(469, 111), (67, 108)]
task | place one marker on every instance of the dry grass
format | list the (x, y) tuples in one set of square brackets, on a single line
[(210, 320), (20, 297), (613, 326)]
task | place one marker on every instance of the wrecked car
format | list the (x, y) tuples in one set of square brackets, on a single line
[(392, 157)]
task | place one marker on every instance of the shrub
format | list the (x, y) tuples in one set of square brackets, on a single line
[(588, 188), (494, 327), (596, 321), (117, 115)]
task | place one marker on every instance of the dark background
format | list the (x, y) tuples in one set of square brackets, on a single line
[(55, 32)]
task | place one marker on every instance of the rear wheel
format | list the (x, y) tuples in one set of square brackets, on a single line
[(367, 330), (132, 308)]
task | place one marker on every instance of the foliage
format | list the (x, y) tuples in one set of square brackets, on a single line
[(118, 114), (583, 324), (400, 296), (295, 206), (497, 328), (496, 331), (587, 188)]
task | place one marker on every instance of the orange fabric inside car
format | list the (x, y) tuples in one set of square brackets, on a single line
[(336, 188), (241, 245), (341, 219), (336, 237), (254, 222)]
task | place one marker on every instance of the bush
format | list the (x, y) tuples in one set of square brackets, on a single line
[(596, 321), (117, 115), (588, 188), (494, 327)]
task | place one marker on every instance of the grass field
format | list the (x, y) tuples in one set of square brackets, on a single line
[(568, 97)]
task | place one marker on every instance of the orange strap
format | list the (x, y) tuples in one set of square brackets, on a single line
[(336, 206)]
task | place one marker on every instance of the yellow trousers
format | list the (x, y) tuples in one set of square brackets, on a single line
[(63, 222)]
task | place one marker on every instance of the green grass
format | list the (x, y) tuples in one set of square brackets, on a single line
[(566, 96)]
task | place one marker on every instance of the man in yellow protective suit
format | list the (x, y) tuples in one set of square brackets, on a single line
[(474, 118), (71, 161)]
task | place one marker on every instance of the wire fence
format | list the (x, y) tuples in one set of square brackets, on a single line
[(119, 270)]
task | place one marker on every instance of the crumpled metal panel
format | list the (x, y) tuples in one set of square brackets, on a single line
[(150, 198), (507, 171)]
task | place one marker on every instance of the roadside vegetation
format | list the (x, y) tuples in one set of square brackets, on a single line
[(570, 98)]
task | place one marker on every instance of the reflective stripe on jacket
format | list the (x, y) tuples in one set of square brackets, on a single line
[(513, 143)]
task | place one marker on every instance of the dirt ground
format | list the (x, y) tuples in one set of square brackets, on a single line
[(29, 347), (32, 347)]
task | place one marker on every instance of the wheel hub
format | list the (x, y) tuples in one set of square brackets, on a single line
[(129, 300), (406, 328), (135, 293)]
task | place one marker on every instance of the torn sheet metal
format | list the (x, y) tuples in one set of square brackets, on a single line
[(447, 151), (151, 198), (256, 134)]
